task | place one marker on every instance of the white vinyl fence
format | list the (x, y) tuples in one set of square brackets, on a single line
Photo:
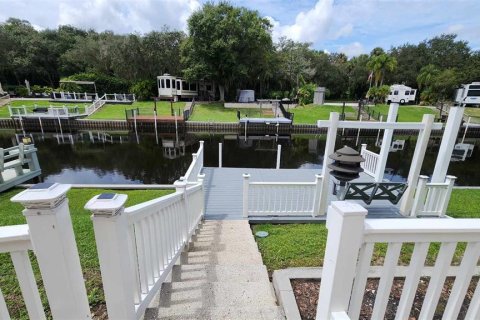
[(431, 199), (348, 263), (196, 165), (138, 245), (371, 160), (16, 241), (49, 233), (280, 198)]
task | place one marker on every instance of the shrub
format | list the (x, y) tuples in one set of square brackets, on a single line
[(144, 89), (378, 94), (104, 83), (21, 91), (305, 93)]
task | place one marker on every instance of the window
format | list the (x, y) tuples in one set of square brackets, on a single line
[(473, 93), (184, 85), (474, 86), (407, 93), (391, 93), (178, 84), (167, 81), (162, 83), (395, 93)]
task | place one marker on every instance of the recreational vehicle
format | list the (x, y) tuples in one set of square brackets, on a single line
[(402, 94), (468, 94), (172, 87)]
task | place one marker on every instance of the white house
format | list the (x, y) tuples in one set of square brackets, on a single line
[(402, 94), (175, 87)]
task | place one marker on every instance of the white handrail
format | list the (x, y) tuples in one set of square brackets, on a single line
[(371, 160), (139, 245), (16, 241), (196, 165), (281, 198), (431, 199), (350, 250)]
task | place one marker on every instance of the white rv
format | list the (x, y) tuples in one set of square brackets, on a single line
[(468, 94), (402, 94), (172, 87)]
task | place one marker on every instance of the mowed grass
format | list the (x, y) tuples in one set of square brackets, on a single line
[(216, 112), (11, 214), (405, 113), (309, 114), (303, 245), (117, 111), (31, 104), (474, 113)]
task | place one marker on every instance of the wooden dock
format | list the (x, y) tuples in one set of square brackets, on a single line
[(224, 193)]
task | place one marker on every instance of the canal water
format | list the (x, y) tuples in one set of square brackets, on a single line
[(95, 157)]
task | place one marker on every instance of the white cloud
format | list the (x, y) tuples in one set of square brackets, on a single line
[(122, 16), (352, 49), (309, 26)]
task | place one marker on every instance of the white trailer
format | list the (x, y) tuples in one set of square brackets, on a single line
[(172, 87), (402, 94), (468, 94)]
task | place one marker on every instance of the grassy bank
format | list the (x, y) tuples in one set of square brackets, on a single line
[(11, 214), (216, 112), (405, 113), (474, 113), (303, 245), (309, 114), (117, 111)]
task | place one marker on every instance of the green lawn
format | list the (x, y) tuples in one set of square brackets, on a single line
[(217, 113), (303, 245), (30, 104), (405, 113), (11, 214), (474, 113), (117, 111), (309, 114)]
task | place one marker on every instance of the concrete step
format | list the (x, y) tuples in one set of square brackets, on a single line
[(216, 313), (220, 258), (219, 273), (240, 248), (201, 294)]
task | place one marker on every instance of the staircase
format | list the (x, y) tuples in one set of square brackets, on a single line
[(222, 276)]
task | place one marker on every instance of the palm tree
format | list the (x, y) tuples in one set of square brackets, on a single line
[(426, 75), (380, 64)]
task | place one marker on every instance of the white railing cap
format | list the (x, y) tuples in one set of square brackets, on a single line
[(14, 233), (42, 195), (349, 208), (106, 204)]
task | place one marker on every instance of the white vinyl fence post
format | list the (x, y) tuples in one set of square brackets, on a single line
[(180, 187), (318, 191), (420, 194), (51, 233), (345, 224), (246, 182), (279, 155), (329, 149), (386, 143), (201, 179), (114, 245), (416, 164), (450, 180), (219, 154), (449, 138)]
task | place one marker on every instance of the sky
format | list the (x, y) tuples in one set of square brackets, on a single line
[(349, 26)]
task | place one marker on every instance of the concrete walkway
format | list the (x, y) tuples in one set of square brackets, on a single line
[(222, 276)]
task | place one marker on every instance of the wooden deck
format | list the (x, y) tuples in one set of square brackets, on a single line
[(11, 178), (224, 193)]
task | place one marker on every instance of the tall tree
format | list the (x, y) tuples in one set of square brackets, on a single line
[(380, 64), (224, 43)]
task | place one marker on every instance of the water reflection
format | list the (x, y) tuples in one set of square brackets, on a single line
[(96, 157)]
